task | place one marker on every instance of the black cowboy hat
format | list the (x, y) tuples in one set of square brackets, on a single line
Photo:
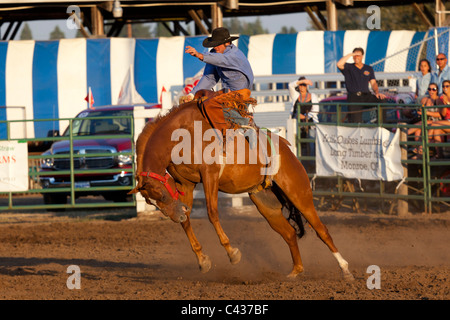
[(219, 36)]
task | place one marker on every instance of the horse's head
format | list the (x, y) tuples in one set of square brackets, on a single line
[(160, 192)]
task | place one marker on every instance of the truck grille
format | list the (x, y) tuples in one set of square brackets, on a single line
[(86, 162)]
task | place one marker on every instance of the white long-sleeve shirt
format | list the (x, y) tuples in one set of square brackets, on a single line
[(294, 94)]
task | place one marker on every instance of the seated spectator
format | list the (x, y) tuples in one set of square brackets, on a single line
[(436, 133), (433, 114)]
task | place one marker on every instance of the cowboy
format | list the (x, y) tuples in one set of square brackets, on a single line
[(224, 62)]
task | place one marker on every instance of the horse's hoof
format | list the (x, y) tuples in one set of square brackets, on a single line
[(294, 273), (348, 277), (205, 264), (235, 256)]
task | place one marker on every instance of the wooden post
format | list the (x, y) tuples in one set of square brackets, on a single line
[(332, 16), (314, 19), (198, 21), (402, 205), (440, 13), (97, 22), (216, 16)]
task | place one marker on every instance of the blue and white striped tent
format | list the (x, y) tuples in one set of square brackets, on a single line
[(51, 78)]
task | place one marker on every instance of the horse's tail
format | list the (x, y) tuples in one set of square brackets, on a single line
[(290, 212), (295, 219)]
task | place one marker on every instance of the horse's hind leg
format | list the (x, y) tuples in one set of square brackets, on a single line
[(203, 260), (294, 182), (271, 209)]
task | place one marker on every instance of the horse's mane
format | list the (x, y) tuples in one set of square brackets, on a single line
[(150, 128)]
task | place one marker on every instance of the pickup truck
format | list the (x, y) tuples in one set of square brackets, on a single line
[(86, 125)]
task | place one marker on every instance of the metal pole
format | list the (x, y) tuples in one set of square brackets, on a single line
[(402, 205), (72, 166)]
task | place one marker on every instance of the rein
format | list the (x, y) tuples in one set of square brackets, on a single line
[(165, 181)]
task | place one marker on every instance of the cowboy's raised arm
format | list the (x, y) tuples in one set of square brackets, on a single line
[(193, 52)]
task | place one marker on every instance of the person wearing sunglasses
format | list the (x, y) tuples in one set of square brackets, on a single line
[(357, 78), (443, 72), (299, 93), (304, 107), (436, 133), (433, 114)]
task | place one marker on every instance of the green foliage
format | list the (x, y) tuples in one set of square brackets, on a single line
[(26, 33), (138, 30), (57, 34), (391, 18), (285, 29), (234, 25)]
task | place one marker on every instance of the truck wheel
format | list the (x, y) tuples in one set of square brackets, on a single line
[(116, 196), (55, 198)]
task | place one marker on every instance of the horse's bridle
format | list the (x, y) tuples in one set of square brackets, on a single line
[(165, 181)]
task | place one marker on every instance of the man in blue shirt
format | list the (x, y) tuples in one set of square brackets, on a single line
[(443, 72), (357, 78), (224, 62)]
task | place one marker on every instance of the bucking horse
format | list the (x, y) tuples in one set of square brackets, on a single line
[(181, 149)]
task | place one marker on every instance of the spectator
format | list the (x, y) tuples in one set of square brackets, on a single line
[(304, 107), (423, 80), (433, 114), (357, 77), (443, 72), (299, 93), (436, 133)]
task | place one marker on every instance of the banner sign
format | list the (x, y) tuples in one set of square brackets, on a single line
[(13, 166), (360, 153)]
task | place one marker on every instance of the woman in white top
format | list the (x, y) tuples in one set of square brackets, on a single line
[(304, 107), (298, 91), (423, 80)]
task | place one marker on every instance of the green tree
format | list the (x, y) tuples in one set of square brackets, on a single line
[(138, 30), (57, 34), (79, 34), (161, 31), (26, 33), (235, 25), (285, 29), (391, 18)]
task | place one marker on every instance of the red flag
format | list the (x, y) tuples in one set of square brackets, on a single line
[(162, 91), (90, 98)]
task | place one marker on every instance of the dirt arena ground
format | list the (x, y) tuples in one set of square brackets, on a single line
[(150, 258)]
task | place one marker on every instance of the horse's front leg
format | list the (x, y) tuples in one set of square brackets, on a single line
[(203, 260), (210, 179)]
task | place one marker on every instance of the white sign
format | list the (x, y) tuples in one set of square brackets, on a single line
[(13, 166), (360, 153)]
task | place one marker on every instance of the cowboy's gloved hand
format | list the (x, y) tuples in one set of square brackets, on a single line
[(186, 98)]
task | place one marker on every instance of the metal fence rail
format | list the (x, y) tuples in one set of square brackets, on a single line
[(425, 175), (35, 173), (422, 187)]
